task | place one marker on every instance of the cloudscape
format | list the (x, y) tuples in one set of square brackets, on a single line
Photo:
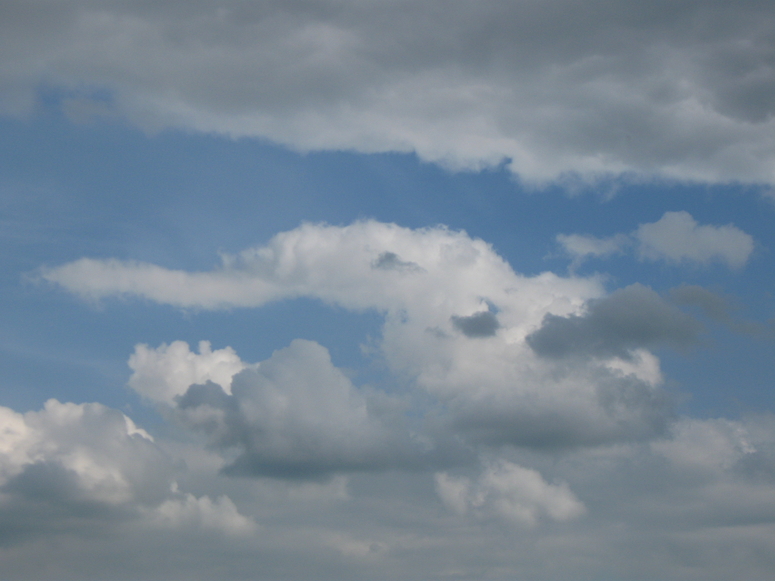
[(356, 290)]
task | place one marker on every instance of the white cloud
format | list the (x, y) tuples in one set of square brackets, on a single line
[(676, 237), (89, 463), (554, 87), (163, 373), (109, 459), (493, 383), (511, 492)]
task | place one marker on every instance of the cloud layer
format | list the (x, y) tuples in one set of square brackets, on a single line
[(554, 88)]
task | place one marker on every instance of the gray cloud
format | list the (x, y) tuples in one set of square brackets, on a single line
[(391, 261), (483, 324), (675, 238), (297, 416), (621, 408), (713, 305), (720, 309), (556, 88), (630, 318)]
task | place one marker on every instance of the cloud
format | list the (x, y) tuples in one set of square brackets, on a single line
[(297, 416), (676, 238), (580, 247), (630, 318), (553, 88), (163, 373), (191, 512), (483, 324), (440, 332), (510, 492), (72, 467), (720, 309)]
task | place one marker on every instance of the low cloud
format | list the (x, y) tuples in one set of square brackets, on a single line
[(509, 492), (164, 373), (297, 416), (455, 329), (675, 238), (76, 467), (482, 324), (631, 318)]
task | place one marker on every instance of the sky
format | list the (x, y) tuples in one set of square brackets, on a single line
[(358, 290)]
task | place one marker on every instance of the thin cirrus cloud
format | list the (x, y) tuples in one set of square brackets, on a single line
[(675, 238), (559, 88)]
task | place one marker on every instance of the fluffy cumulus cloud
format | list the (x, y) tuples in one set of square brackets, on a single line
[(163, 373), (676, 238), (456, 323), (520, 430), (296, 415), (90, 466), (554, 88)]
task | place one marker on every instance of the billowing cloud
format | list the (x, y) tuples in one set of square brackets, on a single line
[(74, 466), (554, 88), (296, 415), (676, 238), (510, 492), (163, 373), (455, 326)]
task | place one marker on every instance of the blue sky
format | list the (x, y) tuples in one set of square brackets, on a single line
[(488, 292)]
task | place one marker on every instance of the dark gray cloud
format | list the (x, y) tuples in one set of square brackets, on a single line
[(554, 87), (483, 324), (630, 318)]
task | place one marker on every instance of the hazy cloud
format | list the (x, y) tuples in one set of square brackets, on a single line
[(580, 246)]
